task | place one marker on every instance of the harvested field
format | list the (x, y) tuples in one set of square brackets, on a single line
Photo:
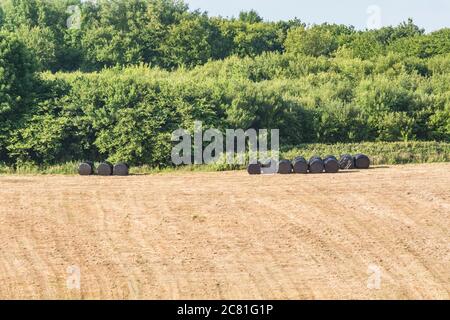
[(228, 235)]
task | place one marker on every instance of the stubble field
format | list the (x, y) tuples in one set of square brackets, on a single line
[(375, 234)]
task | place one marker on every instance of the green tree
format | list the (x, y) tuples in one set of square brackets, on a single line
[(192, 42), (422, 46), (250, 16), (252, 39), (42, 44), (41, 24), (2, 17), (406, 29), (365, 45), (17, 83), (315, 41)]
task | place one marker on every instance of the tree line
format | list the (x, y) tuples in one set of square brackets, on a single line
[(115, 83), (166, 34)]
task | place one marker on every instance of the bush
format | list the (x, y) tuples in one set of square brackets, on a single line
[(154, 66)]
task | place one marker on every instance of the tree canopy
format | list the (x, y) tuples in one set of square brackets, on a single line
[(113, 78)]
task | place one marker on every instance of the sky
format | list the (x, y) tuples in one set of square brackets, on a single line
[(428, 14)]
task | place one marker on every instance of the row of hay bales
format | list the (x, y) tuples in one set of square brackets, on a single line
[(88, 168), (315, 165)]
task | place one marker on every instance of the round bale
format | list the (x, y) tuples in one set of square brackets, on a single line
[(284, 167), (105, 169), (331, 164), (347, 162), (86, 168), (362, 161), (121, 169), (269, 166), (254, 168), (267, 163), (300, 165), (316, 165)]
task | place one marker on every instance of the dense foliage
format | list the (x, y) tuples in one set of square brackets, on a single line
[(143, 68)]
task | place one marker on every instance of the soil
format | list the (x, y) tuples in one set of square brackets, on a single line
[(382, 233)]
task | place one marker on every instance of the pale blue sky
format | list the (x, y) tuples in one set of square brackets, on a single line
[(429, 14)]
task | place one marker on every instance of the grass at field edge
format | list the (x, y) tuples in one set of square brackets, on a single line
[(381, 153)]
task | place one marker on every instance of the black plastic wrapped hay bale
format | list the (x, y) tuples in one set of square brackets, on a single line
[(254, 168), (269, 167), (316, 165), (347, 162), (105, 169), (86, 168), (121, 169), (300, 165), (331, 164), (362, 161), (284, 167), (267, 163)]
